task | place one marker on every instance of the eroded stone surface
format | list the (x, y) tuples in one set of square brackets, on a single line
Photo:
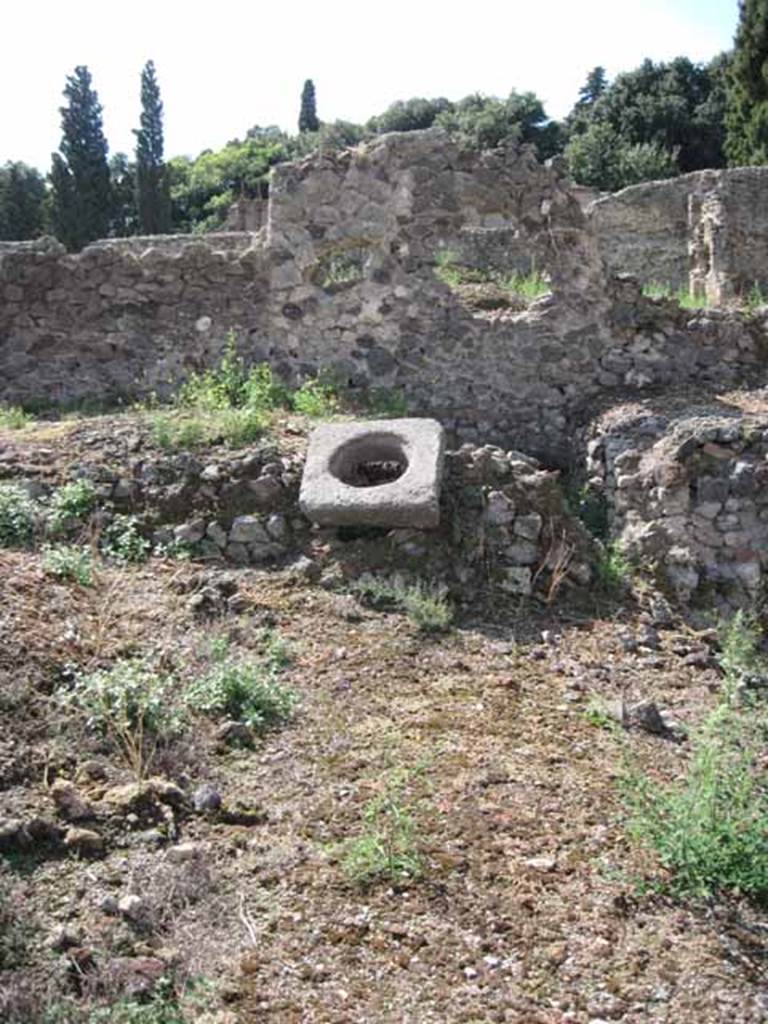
[(338, 453)]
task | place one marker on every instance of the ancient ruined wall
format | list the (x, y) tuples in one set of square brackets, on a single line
[(643, 230), (343, 277), (122, 317), (686, 489), (707, 230)]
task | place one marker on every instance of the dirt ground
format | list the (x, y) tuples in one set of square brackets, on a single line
[(492, 739)]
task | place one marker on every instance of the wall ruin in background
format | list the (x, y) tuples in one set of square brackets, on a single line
[(342, 277)]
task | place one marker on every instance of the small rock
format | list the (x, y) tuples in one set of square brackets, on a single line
[(305, 568), (542, 864), (84, 840), (234, 734), (69, 802), (277, 526), (699, 659), (13, 835), (247, 530), (190, 533), (206, 798), (184, 852), (63, 938), (132, 907), (647, 716), (238, 603), (217, 534), (528, 527), (108, 905)]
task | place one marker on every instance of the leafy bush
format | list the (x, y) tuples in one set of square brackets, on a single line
[(247, 692), (13, 417), (386, 402), (424, 603), (67, 562), (19, 516), (123, 541), (263, 391), (219, 388), (131, 705), (74, 501)]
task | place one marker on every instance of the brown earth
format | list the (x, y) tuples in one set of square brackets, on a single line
[(532, 905)]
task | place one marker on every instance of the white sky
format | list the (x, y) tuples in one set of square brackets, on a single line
[(225, 67)]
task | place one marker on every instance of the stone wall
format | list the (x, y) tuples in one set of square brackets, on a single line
[(685, 487), (707, 231), (343, 277)]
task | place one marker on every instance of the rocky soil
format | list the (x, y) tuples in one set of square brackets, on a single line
[(226, 878)]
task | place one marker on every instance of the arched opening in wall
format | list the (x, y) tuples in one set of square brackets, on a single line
[(492, 271)]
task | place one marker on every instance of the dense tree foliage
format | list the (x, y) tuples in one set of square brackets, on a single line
[(308, 121), (125, 217), (202, 190), (81, 206), (747, 88), (153, 198), (22, 197), (409, 115), (673, 112)]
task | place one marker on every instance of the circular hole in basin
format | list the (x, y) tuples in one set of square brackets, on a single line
[(370, 461)]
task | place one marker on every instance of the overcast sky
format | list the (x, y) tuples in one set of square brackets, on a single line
[(225, 67)]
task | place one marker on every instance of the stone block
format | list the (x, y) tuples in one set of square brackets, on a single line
[(375, 473)]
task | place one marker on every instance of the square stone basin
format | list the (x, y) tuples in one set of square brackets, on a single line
[(374, 473)]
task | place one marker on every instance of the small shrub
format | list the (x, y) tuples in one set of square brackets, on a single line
[(317, 397), (263, 391), (122, 540), (13, 417), (19, 516), (74, 501), (131, 705), (389, 846), (424, 603), (219, 388), (740, 648), (447, 267), (240, 427), (613, 569), (247, 692), (67, 562)]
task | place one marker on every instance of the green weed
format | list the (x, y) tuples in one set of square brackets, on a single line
[(613, 568), (710, 827), (131, 705), (67, 562), (389, 847), (426, 604), (247, 692), (123, 541), (528, 286), (71, 503), (19, 516), (684, 298), (13, 417), (318, 397)]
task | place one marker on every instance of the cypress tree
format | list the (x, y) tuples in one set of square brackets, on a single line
[(82, 201), (153, 200), (746, 119), (308, 121)]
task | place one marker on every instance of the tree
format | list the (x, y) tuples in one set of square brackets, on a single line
[(81, 202), (409, 115), (677, 107), (153, 198), (125, 218), (308, 121), (22, 196), (593, 88), (601, 158), (485, 122), (746, 119)]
